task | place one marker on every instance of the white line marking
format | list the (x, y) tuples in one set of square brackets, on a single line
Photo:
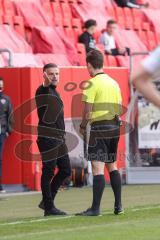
[(36, 220), (145, 208), (80, 228), (70, 216)]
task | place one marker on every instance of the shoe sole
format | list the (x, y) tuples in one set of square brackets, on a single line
[(79, 215), (120, 213), (53, 215)]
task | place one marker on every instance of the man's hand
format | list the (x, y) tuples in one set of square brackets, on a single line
[(122, 51), (47, 80), (82, 131)]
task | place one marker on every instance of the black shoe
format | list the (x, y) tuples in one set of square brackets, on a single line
[(89, 212), (41, 205), (118, 211), (54, 212)]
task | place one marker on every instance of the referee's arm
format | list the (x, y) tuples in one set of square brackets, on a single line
[(86, 116), (88, 99)]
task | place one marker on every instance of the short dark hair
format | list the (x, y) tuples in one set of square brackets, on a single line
[(1, 78), (89, 23), (49, 65), (111, 21), (95, 58)]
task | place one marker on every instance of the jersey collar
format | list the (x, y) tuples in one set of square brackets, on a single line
[(99, 74)]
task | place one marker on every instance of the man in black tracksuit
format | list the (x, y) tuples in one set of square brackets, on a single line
[(5, 123), (51, 141), (87, 37)]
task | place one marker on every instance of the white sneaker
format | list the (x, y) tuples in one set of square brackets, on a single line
[(3, 191)]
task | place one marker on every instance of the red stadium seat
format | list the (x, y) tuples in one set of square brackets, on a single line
[(111, 12), (137, 14), (120, 16), (158, 38), (67, 23), (82, 54), (146, 26), (57, 13), (138, 18), (77, 28), (19, 25), (47, 6), (77, 33), (58, 21), (112, 61), (76, 23), (8, 7), (13, 41), (70, 34), (143, 37), (64, 1), (1, 22), (101, 48), (123, 61), (56, 8), (128, 18), (59, 59), (1, 7), (23, 60), (152, 40), (68, 1), (28, 33), (137, 24), (7, 19), (66, 10), (73, 1)]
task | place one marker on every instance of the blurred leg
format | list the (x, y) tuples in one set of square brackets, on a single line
[(98, 183), (63, 164), (115, 179)]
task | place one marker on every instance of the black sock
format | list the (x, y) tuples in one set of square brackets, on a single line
[(98, 188), (115, 179)]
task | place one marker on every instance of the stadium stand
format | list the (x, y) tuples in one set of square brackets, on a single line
[(13, 41), (45, 27)]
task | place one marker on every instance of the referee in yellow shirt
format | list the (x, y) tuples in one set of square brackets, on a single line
[(102, 107)]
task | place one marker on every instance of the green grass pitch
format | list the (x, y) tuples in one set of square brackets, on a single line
[(20, 217)]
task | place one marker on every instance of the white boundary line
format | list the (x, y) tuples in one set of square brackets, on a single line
[(145, 208), (71, 216), (61, 230), (36, 220), (40, 233)]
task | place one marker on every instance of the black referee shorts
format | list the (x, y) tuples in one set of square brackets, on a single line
[(103, 142)]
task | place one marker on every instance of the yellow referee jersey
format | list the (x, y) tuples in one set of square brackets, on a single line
[(105, 94)]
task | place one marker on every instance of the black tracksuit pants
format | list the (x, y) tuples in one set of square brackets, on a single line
[(54, 153)]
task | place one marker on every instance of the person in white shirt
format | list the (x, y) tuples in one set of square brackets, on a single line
[(108, 40), (145, 73)]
